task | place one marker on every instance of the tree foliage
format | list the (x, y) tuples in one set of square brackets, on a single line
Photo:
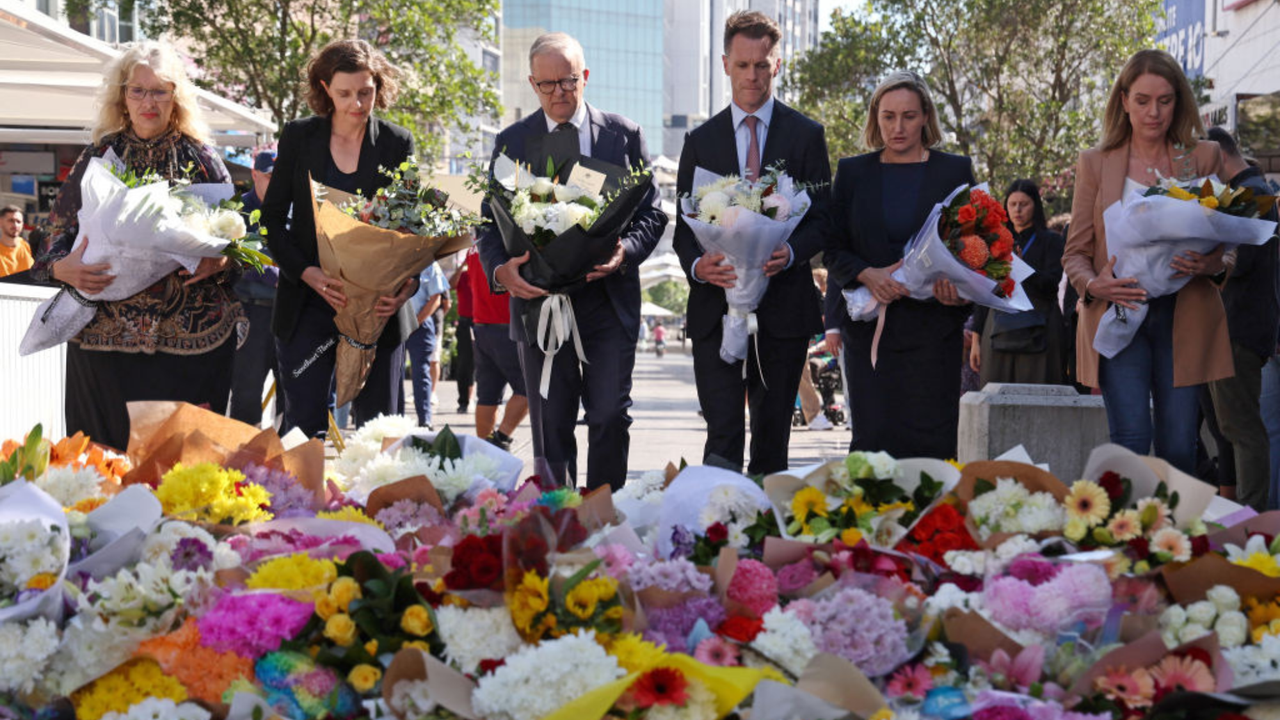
[(256, 51), (670, 294), (1020, 84)]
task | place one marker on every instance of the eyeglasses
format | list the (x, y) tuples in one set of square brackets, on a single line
[(569, 84), (133, 92)]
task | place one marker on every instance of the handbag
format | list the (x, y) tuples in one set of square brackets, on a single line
[(1020, 332)]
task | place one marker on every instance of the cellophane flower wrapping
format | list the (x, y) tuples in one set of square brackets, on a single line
[(140, 232), (34, 543), (703, 493), (926, 258), (1145, 233), (727, 215)]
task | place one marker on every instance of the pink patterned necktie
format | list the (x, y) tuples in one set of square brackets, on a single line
[(753, 149)]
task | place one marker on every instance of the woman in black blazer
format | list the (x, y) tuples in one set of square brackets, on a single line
[(341, 146), (1025, 347), (909, 404)]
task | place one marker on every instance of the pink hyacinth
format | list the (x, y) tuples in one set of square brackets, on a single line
[(754, 587)]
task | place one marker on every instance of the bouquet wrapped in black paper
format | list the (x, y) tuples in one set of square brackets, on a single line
[(567, 228)]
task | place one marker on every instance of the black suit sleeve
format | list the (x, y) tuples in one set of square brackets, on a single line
[(1048, 271), (843, 263), (279, 200), (646, 226), (810, 237), (684, 243), (488, 240), (833, 308)]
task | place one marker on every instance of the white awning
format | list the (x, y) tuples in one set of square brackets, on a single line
[(50, 74)]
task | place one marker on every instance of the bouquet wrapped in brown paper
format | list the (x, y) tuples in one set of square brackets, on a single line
[(375, 246)]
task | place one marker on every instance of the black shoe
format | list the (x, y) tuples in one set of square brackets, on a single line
[(501, 440), (462, 409)]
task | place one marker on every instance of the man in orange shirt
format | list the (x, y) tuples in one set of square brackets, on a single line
[(15, 254)]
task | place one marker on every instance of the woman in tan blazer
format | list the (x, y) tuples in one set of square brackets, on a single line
[(1150, 131)]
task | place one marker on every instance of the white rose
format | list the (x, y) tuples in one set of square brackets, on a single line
[(1170, 638), (1232, 628), (567, 193), (714, 203), (883, 464), (1173, 618), (578, 215), (228, 225), (559, 219), (779, 201), (1224, 597), (1191, 631), (1202, 613), (541, 187), (731, 215)]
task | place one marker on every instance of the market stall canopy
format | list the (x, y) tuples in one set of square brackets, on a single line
[(648, 309), (50, 74), (660, 267)]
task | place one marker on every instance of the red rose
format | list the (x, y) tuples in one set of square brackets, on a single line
[(1002, 249), (569, 530), (1112, 483), (458, 578), (488, 666), (967, 214), (486, 570), (1140, 547), (742, 629), (717, 533)]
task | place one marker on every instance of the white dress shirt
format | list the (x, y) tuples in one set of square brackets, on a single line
[(579, 120)]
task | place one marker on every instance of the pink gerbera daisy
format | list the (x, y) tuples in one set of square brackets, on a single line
[(1184, 673), (1172, 541), (911, 680), (716, 651), (1134, 689)]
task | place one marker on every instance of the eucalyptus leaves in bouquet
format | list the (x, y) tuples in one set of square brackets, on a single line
[(410, 205)]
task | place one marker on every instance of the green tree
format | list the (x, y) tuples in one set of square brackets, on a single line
[(256, 52), (670, 294), (1020, 84)]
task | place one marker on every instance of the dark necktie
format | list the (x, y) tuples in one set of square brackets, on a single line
[(753, 148), (562, 146)]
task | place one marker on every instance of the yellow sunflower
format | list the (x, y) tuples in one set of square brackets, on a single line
[(1088, 502)]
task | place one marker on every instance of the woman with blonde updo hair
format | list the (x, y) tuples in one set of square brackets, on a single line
[(176, 339), (908, 404)]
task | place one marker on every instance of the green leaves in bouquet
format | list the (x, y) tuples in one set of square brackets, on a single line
[(29, 460), (133, 179), (412, 206), (982, 486), (1170, 498), (925, 493), (445, 446)]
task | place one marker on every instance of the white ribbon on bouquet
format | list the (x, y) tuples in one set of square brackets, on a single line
[(746, 244), (926, 259), (1145, 233), (139, 232), (556, 326)]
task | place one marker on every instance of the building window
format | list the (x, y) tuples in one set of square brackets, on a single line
[(490, 61)]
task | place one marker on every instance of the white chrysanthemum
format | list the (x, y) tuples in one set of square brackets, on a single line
[(721, 186), (386, 468), (700, 705), (69, 486), (160, 709), (412, 698), (648, 488), (474, 634), (1232, 628), (966, 562), (715, 202), (537, 680), (159, 545), (468, 475), (32, 549), (786, 640), (1224, 597), (228, 225), (25, 649), (366, 443), (1202, 613), (88, 651)]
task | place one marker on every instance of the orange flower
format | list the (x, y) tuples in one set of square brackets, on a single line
[(67, 450), (205, 672), (966, 215), (973, 251)]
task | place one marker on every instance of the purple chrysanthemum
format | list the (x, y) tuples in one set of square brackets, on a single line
[(288, 497), (191, 554), (671, 626)]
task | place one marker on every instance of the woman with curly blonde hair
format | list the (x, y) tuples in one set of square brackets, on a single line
[(173, 340)]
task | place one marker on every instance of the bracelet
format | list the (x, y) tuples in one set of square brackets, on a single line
[(1088, 297)]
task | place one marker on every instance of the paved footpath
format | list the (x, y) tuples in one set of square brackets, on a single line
[(666, 426)]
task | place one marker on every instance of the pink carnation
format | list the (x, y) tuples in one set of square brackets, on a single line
[(617, 559), (754, 587), (796, 576)]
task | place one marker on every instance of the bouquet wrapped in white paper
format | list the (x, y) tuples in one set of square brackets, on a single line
[(1145, 233), (927, 257), (144, 233), (746, 221)]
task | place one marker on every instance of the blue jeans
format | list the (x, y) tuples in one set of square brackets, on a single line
[(419, 347), (1271, 418), (1142, 374)]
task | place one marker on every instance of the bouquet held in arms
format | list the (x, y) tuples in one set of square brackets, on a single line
[(1145, 231), (145, 227), (964, 240), (375, 245), (746, 221), (567, 228)]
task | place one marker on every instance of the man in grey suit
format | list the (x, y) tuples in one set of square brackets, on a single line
[(607, 308)]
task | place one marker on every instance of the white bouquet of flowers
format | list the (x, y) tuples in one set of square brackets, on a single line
[(35, 547), (145, 228), (746, 221), (1146, 231)]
